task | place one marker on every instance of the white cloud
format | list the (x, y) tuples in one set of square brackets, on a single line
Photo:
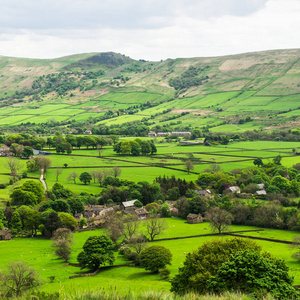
[(149, 29)]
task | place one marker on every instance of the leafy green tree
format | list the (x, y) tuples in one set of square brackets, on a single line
[(281, 182), (68, 221), (155, 257), (277, 159), (165, 210), (21, 197), (52, 223), (153, 148), (76, 205), (199, 265), (258, 162), (85, 177), (125, 147), (32, 221), (15, 223), (253, 273), (27, 152), (97, 251), (135, 148)]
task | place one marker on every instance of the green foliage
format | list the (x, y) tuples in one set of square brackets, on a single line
[(165, 210), (155, 257), (68, 221), (205, 262), (97, 251), (253, 273), (82, 222), (15, 224), (258, 162), (85, 177), (30, 193), (138, 203)]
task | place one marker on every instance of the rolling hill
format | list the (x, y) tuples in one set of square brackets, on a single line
[(251, 91)]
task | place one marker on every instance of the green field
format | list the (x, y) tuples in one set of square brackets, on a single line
[(38, 253)]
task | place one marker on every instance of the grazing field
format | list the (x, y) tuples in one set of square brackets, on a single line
[(39, 254), (169, 161)]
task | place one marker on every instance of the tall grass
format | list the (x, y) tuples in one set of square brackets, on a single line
[(114, 294)]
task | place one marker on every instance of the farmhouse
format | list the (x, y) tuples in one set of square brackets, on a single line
[(152, 134), (5, 150), (180, 133), (204, 193), (194, 219), (128, 204), (41, 152), (142, 213), (261, 193), (234, 189), (191, 142), (88, 132), (5, 234)]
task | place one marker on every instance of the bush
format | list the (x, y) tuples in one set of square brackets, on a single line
[(155, 257), (3, 185), (164, 273), (138, 203)]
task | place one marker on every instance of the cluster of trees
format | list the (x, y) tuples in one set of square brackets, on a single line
[(234, 265), (188, 78), (135, 147), (64, 81), (66, 144)]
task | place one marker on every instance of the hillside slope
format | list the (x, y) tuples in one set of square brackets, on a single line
[(251, 91)]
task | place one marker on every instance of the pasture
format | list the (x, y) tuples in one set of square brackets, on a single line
[(39, 254), (169, 161)]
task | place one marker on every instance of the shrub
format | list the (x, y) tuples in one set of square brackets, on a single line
[(155, 257), (164, 273)]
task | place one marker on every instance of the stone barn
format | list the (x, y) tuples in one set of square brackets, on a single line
[(194, 219)]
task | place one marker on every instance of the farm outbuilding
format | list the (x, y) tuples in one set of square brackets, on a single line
[(194, 218)]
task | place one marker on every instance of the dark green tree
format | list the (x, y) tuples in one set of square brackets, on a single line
[(253, 273), (85, 177), (15, 223), (258, 162), (155, 257), (205, 262), (97, 251)]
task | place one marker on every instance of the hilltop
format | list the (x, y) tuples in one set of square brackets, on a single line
[(251, 91)]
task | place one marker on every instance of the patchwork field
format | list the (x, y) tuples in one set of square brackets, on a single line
[(169, 160)]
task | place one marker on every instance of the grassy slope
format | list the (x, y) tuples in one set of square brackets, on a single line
[(262, 82)]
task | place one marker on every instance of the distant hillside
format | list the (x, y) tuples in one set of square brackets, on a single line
[(251, 91)]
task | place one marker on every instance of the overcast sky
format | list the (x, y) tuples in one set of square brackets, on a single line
[(147, 29)]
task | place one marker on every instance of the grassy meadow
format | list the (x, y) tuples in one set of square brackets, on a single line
[(39, 254), (169, 160)]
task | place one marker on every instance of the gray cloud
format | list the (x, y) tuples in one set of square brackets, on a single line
[(116, 14)]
